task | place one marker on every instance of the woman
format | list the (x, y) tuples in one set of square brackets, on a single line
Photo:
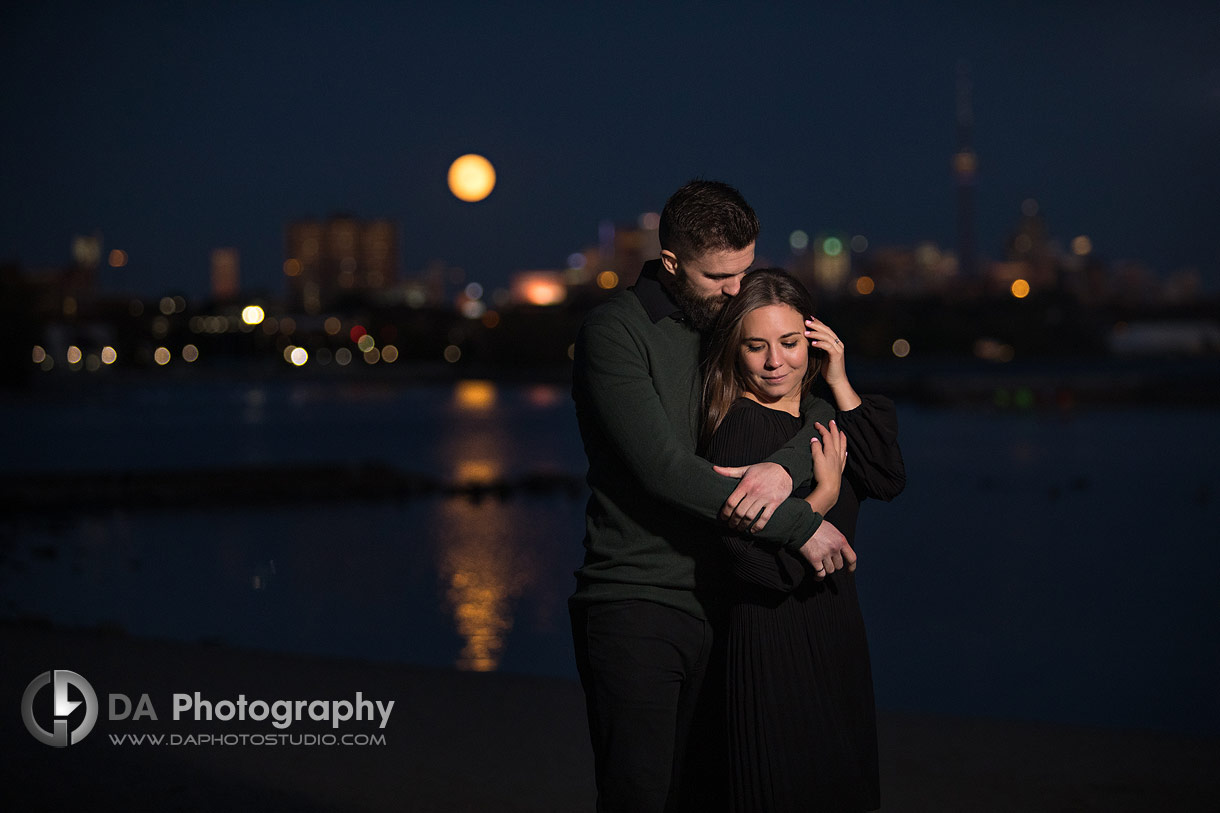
[(802, 728)]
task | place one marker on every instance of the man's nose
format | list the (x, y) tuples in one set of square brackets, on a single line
[(731, 287)]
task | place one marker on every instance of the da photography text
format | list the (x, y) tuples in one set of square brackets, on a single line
[(281, 713)]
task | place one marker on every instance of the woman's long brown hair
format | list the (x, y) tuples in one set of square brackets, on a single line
[(723, 382)]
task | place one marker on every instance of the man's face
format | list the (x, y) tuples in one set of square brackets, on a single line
[(703, 283)]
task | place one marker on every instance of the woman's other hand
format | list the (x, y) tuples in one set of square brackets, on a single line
[(829, 452)]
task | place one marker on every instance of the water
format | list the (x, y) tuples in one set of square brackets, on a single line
[(1051, 568), (1039, 565)]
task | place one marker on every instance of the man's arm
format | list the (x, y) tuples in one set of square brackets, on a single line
[(794, 455), (614, 382), (762, 486)]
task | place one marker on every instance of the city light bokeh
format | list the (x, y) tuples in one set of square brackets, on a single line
[(252, 315)]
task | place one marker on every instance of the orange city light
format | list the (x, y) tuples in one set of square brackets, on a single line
[(539, 288)]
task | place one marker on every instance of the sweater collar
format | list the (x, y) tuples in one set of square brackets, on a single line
[(657, 302)]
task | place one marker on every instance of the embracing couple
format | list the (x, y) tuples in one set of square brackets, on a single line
[(716, 628)]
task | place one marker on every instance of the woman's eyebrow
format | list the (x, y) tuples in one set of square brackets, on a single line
[(759, 339)]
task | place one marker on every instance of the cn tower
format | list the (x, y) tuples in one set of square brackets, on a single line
[(965, 165)]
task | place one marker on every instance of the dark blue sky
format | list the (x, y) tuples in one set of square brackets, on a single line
[(176, 128)]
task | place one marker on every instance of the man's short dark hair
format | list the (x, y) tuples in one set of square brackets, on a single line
[(706, 216)]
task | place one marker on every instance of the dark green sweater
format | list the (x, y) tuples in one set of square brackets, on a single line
[(636, 384)]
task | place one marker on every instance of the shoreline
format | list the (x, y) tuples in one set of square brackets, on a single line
[(500, 741), (1057, 383)]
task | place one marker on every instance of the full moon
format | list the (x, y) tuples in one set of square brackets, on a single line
[(471, 178)]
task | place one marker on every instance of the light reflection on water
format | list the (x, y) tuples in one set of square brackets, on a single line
[(484, 568), (485, 573), (436, 581), (475, 441)]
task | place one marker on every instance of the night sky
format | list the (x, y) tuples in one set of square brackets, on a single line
[(176, 128)]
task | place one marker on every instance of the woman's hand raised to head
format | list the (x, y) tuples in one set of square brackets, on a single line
[(821, 337)]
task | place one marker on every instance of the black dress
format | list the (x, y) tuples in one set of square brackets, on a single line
[(802, 725)]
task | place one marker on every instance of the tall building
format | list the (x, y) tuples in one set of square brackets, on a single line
[(831, 263), (965, 167), (623, 249), (326, 259), (1030, 248), (226, 274), (81, 275)]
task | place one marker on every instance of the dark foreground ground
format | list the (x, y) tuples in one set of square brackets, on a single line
[(460, 741)]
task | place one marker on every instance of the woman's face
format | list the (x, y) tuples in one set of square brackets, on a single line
[(774, 353)]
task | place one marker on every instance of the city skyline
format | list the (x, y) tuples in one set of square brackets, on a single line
[(174, 131)]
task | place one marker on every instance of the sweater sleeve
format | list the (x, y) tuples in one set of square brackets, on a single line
[(741, 436), (794, 455), (613, 374)]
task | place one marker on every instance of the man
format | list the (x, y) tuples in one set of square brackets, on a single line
[(644, 604)]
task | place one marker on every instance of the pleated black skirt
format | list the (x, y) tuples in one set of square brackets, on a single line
[(802, 724), (800, 714)]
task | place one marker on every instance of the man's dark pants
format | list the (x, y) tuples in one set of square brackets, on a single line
[(653, 693)]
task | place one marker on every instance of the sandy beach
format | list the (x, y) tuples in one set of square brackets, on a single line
[(458, 741)]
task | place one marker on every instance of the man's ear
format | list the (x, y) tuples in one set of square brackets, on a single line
[(670, 261)]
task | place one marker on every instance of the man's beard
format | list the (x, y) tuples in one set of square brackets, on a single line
[(702, 311)]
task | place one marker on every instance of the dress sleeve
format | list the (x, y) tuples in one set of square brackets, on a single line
[(874, 461), (738, 440)]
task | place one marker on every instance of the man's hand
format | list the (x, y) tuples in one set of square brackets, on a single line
[(762, 488), (827, 550)]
